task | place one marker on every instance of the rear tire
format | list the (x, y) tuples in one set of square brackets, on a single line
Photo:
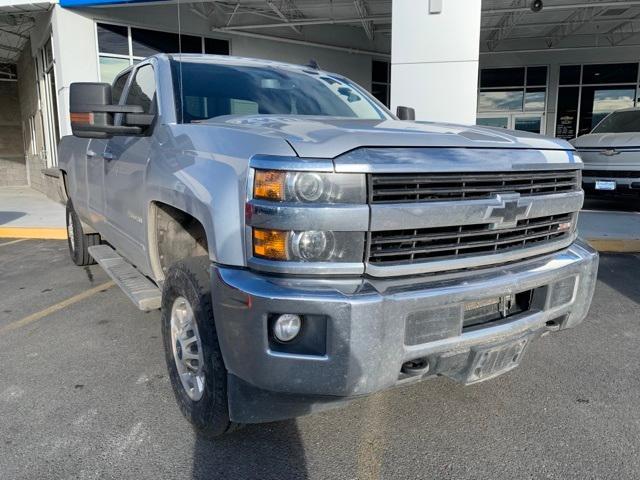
[(78, 241), (196, 368)]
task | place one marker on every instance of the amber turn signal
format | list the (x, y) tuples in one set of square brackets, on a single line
[(269, 185), (86, 118), (271, 244)]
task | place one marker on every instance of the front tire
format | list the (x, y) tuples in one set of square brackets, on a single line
[(196, 368), (78, 241)]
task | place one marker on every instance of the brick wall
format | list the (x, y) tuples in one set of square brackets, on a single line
[(13, 169)]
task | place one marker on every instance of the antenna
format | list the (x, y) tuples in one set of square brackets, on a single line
[(313, 64), (180, 63)]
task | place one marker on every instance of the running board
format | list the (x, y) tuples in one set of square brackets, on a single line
[(142, 292)]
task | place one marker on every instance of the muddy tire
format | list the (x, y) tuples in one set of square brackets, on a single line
[(78, 241), (196, 368)]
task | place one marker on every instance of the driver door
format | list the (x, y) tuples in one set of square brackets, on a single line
[(126, 158)]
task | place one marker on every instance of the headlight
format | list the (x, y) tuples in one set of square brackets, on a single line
[(308, 246), (309, 187)]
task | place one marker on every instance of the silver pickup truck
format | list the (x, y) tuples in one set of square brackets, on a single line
[(305, 246)]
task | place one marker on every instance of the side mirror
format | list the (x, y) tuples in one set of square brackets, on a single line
[(405, 113), (92, 113)]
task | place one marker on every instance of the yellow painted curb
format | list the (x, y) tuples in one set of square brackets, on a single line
[(615, 246), (44, 233)]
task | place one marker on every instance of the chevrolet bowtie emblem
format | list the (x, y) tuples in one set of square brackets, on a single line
[(511, 209), (610, 152)]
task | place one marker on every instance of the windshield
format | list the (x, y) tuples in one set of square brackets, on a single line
[(620, 122), (212, 90)]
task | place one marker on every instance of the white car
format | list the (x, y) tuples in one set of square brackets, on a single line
[(611, 154)]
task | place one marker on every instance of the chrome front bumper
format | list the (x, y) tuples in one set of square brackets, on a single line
[(365, 323)]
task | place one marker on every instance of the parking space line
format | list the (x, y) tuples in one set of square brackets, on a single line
[(34, 317), (14, 241)]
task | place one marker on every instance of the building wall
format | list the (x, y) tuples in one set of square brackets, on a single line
[(12, 162), (553, 59), (434, 59)]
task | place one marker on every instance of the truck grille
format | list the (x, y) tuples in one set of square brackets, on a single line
[(403, 188), (395, 247)]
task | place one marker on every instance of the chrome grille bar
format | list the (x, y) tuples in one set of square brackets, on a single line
[(402, 188)]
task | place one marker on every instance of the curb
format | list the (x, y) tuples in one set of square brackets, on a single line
[(42, 233), (60, 233), (612, 245)]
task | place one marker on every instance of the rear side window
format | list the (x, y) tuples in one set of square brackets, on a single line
[(143, 89), (620, 122), (118, 87)]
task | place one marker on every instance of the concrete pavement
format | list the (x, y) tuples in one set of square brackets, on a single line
[(84, 394)]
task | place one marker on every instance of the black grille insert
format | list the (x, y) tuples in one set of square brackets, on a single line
[(403, 188), (398, 247), (604, 174)]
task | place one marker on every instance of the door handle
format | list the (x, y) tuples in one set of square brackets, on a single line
[(91, 153), (107, 156)]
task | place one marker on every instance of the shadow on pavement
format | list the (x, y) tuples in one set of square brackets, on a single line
[(6, 217), (613, 204), (620, 272), (264, 451)]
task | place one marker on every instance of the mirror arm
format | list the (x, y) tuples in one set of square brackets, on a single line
[(107, 109), (108, 129)]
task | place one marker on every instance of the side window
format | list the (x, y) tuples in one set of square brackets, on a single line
[(118, 87), (143, 90)]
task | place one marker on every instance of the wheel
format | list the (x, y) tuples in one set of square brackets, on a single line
[(196, 368), (79, 242)]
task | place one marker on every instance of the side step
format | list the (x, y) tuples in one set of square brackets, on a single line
[(142, 292)]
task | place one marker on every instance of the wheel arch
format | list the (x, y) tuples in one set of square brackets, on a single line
[(174, 234)]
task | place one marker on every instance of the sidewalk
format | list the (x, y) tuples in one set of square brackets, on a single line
[(610, 231), (26, 213)]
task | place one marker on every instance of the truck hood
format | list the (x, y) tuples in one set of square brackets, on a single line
[(326, 137), (607, 140)]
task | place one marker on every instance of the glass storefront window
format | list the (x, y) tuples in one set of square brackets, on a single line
[(113, 39), (502, 77), (500, 100), (536, 76), (610, 73), (534, 99), (570, 74), (528, 124), (110, 67), (597, 102), (498, 122)]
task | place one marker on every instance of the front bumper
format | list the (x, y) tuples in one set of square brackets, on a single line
[(367, 320)]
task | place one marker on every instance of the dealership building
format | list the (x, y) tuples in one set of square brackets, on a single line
[(554, 67)]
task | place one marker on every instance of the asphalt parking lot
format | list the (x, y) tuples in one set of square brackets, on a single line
[(84, 394)]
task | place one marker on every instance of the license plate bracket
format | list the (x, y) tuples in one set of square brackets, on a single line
[(605, 185), (489, 362)]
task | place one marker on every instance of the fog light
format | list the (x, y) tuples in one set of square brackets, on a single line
[(287, 327)]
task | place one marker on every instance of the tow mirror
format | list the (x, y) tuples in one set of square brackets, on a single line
[(92, 113), (405, 113)]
